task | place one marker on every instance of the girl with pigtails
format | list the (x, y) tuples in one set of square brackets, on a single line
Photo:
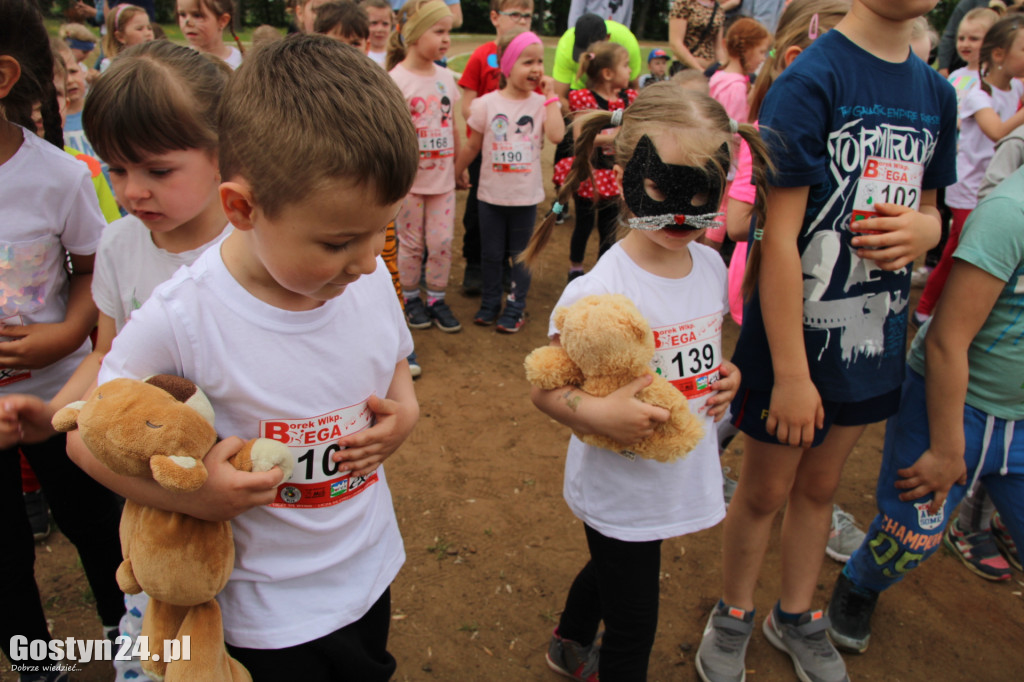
[(671, 154)]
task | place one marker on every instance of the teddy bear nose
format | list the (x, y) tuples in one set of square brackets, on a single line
[(154, 426)]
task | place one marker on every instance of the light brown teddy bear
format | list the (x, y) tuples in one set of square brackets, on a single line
[(605, 344), (161, 429)]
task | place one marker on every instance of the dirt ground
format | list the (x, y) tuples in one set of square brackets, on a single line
[(492, 547)]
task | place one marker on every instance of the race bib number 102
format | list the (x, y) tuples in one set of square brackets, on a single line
[(316, 481), (887, 181), (689, 355)]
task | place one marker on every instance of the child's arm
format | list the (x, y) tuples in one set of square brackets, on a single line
[(966, 302), (906, 234), (468, 95), (795, 408), (737, 219), (27, 418), (226, 493), (554, 122), (618, 415), (34, 346), (726, 387), (466, 156), (395, 417), (994, 127)]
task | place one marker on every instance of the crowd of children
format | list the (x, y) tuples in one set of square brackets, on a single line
[(230, 169)]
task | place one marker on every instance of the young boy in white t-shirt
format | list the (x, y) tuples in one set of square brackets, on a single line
[(292, 328)]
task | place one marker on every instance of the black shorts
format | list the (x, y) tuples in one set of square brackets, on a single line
[(750, 413)]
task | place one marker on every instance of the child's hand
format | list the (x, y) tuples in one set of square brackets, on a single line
[(625, 419), (795, 411), (24, 419), (34, 346), (364, 451), (933, 472), (228, 492), (905, 235), (727, 385), (462, 181), (547, 86)]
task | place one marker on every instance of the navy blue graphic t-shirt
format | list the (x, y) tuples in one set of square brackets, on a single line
[(857, 130)]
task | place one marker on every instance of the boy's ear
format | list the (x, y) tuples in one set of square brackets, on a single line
[(10, 72), (236, 200), (494, 19)]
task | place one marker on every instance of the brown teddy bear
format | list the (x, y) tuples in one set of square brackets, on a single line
[(161, 429), (605, 344)]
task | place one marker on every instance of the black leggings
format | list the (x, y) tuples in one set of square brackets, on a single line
[(355, 653), (607, 219), (87, 513), (620, 586)]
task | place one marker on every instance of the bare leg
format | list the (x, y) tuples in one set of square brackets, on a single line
[(765, 481), (809, 514)]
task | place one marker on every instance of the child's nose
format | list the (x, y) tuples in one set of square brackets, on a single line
[(134, 188)]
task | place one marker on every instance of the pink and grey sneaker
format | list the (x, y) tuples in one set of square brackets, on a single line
[(1005, 543), (977, 551), (572, 659)]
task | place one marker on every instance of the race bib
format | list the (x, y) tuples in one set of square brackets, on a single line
[(436, 143), (316, 481), (511, 157), (11, 376), (689, 355), (887, 181)]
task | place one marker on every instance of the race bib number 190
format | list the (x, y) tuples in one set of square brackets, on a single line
[(511, 157), (689, 355), (887, 181), (316, 481)]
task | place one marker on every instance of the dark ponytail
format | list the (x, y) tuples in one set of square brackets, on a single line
[(23, 37)]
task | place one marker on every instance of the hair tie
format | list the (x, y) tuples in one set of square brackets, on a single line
[(557, 207), (617, 118), (734, 125), (812, 29), (510, 55), (758, 234), (120, 10), (591, 55)]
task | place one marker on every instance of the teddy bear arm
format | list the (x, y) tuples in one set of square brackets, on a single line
[(263, 454), (180, 473), (126, 578), (66, 418), (551, 367)]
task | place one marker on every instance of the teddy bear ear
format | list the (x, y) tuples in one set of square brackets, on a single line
[(185, 391), (559, 316)]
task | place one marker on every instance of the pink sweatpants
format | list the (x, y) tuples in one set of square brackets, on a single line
[(426, 220)]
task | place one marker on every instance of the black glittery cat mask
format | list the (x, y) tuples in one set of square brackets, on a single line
[(679, 184)]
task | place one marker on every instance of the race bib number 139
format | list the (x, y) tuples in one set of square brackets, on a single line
[(316, 481), (689, 355)]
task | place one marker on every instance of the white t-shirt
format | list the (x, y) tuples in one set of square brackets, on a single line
[(234, 60), (48, 206), (321, 555), (379, 57), (129, 266), (641, 500), (975, 148)]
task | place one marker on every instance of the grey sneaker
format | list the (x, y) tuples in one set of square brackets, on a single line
[(814, 657), (728, 485), (572, 659), (723, 649), (845, 537)]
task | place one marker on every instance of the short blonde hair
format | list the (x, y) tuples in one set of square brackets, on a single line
[(308, 110)]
